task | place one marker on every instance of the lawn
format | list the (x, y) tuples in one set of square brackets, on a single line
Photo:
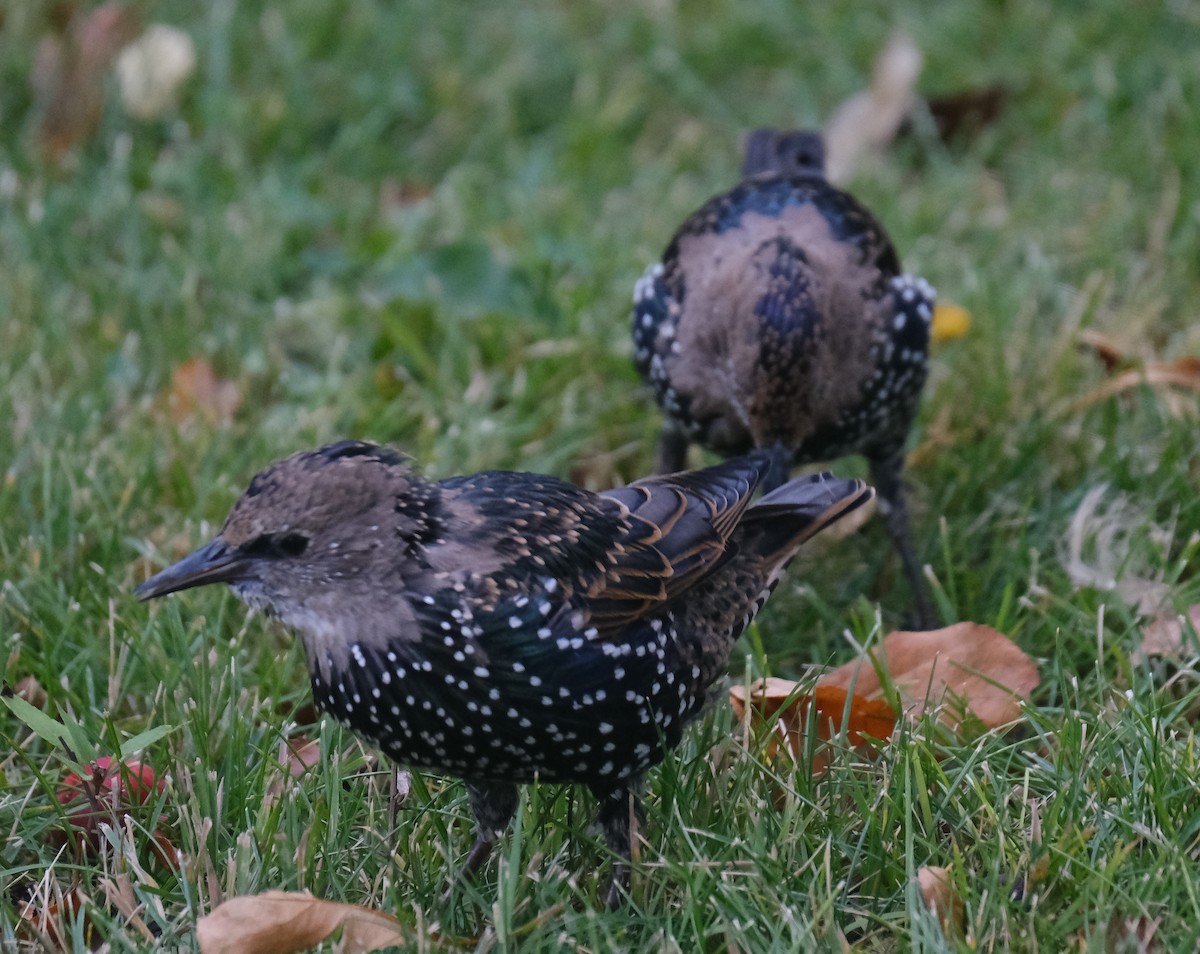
[(419, 226)]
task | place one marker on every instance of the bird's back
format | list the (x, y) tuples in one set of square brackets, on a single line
[(778, 315)]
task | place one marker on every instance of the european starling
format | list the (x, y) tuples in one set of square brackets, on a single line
[(506, 627), (779, 318)]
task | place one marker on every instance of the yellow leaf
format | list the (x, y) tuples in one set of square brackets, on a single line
[(949, 322)]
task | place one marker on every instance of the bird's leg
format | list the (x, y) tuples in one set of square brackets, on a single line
[(672, 449), (621, 816), (886, 476), (493, 804)]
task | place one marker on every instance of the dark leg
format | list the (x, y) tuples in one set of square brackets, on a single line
[(493, 804), (886, 476), (620, 818), (672, 450)]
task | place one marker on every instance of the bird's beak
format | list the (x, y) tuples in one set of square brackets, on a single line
[(214, 562)]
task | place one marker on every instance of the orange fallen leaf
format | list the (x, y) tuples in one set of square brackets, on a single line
[(280, 922), (949, 322), (1165, 636), (942, 898), (196, 391), (965, 667), (49, 923), (777, 701)]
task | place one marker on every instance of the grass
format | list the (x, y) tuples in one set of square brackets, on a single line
[(553, 147)]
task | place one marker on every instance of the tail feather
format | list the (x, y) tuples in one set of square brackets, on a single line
[(778, 524)]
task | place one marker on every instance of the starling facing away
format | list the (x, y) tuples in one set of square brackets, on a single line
[(507, 627), (779, 318)]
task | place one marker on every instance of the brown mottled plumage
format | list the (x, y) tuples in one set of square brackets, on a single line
[(504, 627), (779, 319)]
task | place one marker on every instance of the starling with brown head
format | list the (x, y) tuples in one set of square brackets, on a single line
[(506, 627), (779, 318)]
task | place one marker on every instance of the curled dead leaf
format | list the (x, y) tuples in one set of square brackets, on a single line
[(1163, 377), (280, 922), (778, 702), (1167, 636), (868, 121), (942, 898), (963, 668)]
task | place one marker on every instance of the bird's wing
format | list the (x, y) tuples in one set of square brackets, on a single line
[(612, 557), (679, 527)]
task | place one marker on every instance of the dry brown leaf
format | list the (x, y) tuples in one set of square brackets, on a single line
[(1111, 354), (967, 666), (1182, 373), (1133, 935), (196, 391), (48, 922), (29, 689), (68, 74), (968, 111), (296, 756), (868, 121), (941, 897), (1165, 636), (777, 701), (300, 755), (280, 922)]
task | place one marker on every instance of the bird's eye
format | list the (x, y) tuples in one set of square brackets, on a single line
[(271, 545), (292, 544)]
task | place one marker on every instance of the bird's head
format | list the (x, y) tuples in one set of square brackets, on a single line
[(783, 152), (309, 525)]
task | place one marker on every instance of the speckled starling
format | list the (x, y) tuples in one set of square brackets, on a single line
[(779, 318), (506, 627)]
